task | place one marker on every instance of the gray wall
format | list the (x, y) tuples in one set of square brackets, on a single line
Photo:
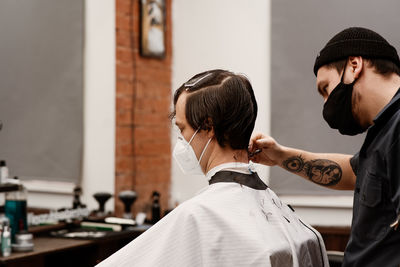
[(299, 31), (41, 46)]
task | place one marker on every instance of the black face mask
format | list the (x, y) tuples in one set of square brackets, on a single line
[(337, 110)]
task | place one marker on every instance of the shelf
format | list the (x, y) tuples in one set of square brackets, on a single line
[(8, 187)]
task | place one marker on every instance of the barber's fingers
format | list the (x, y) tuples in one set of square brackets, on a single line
[(255, 158), (263, 149), (261, 141), (253, 139), (262, 156), (266, 142)]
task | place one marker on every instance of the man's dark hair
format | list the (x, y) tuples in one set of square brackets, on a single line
[(221, 100), (381, 66)]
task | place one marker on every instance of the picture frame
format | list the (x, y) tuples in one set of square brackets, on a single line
[(152, 30)]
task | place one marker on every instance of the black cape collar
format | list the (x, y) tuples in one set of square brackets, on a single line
[(250, 180)]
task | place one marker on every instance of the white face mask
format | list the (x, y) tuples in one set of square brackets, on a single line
[(185, 156)]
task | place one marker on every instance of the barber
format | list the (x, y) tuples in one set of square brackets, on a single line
[(358, 76)]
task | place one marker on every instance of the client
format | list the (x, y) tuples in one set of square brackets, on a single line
[(237, 220)]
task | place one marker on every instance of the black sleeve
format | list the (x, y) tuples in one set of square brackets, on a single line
[(392, 158), (354, 163)]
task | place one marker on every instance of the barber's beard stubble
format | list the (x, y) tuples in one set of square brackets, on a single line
[(355, 100)]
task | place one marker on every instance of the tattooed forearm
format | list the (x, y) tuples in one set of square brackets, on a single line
[(320, 171)]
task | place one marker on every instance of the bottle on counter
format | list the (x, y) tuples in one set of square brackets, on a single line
[(16, 209), (3, 220), (6, 240), (155, 208), (3, 171)]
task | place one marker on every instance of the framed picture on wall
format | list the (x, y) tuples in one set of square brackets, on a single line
[(152, 37)]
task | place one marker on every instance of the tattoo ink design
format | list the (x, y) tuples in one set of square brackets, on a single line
[(294, 164), (320, 171)]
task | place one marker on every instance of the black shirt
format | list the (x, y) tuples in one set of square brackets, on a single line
[(377, 194)]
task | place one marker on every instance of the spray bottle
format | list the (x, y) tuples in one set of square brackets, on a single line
[(3, 171), (6, 240)]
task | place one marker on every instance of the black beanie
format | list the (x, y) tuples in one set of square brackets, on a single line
[(356, 41)]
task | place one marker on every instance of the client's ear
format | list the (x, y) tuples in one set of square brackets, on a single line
[(208, 126)]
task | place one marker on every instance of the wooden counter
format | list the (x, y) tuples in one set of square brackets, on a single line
[(52, 251)]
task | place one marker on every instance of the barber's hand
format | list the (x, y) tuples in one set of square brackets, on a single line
[(264, 149)]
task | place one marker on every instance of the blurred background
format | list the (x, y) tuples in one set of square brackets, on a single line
[(86, 90)]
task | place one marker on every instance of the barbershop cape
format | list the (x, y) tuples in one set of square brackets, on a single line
[(236, 221)]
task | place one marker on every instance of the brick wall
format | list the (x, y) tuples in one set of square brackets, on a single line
[(143, 153)]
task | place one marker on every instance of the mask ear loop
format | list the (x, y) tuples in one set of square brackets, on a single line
[(342, 78), (193, 135), (204, 150)]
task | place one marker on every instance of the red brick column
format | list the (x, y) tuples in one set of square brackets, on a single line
[(143, 153)]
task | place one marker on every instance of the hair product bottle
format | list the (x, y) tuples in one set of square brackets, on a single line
[(6, 240), (16, 210), (3, 171)]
